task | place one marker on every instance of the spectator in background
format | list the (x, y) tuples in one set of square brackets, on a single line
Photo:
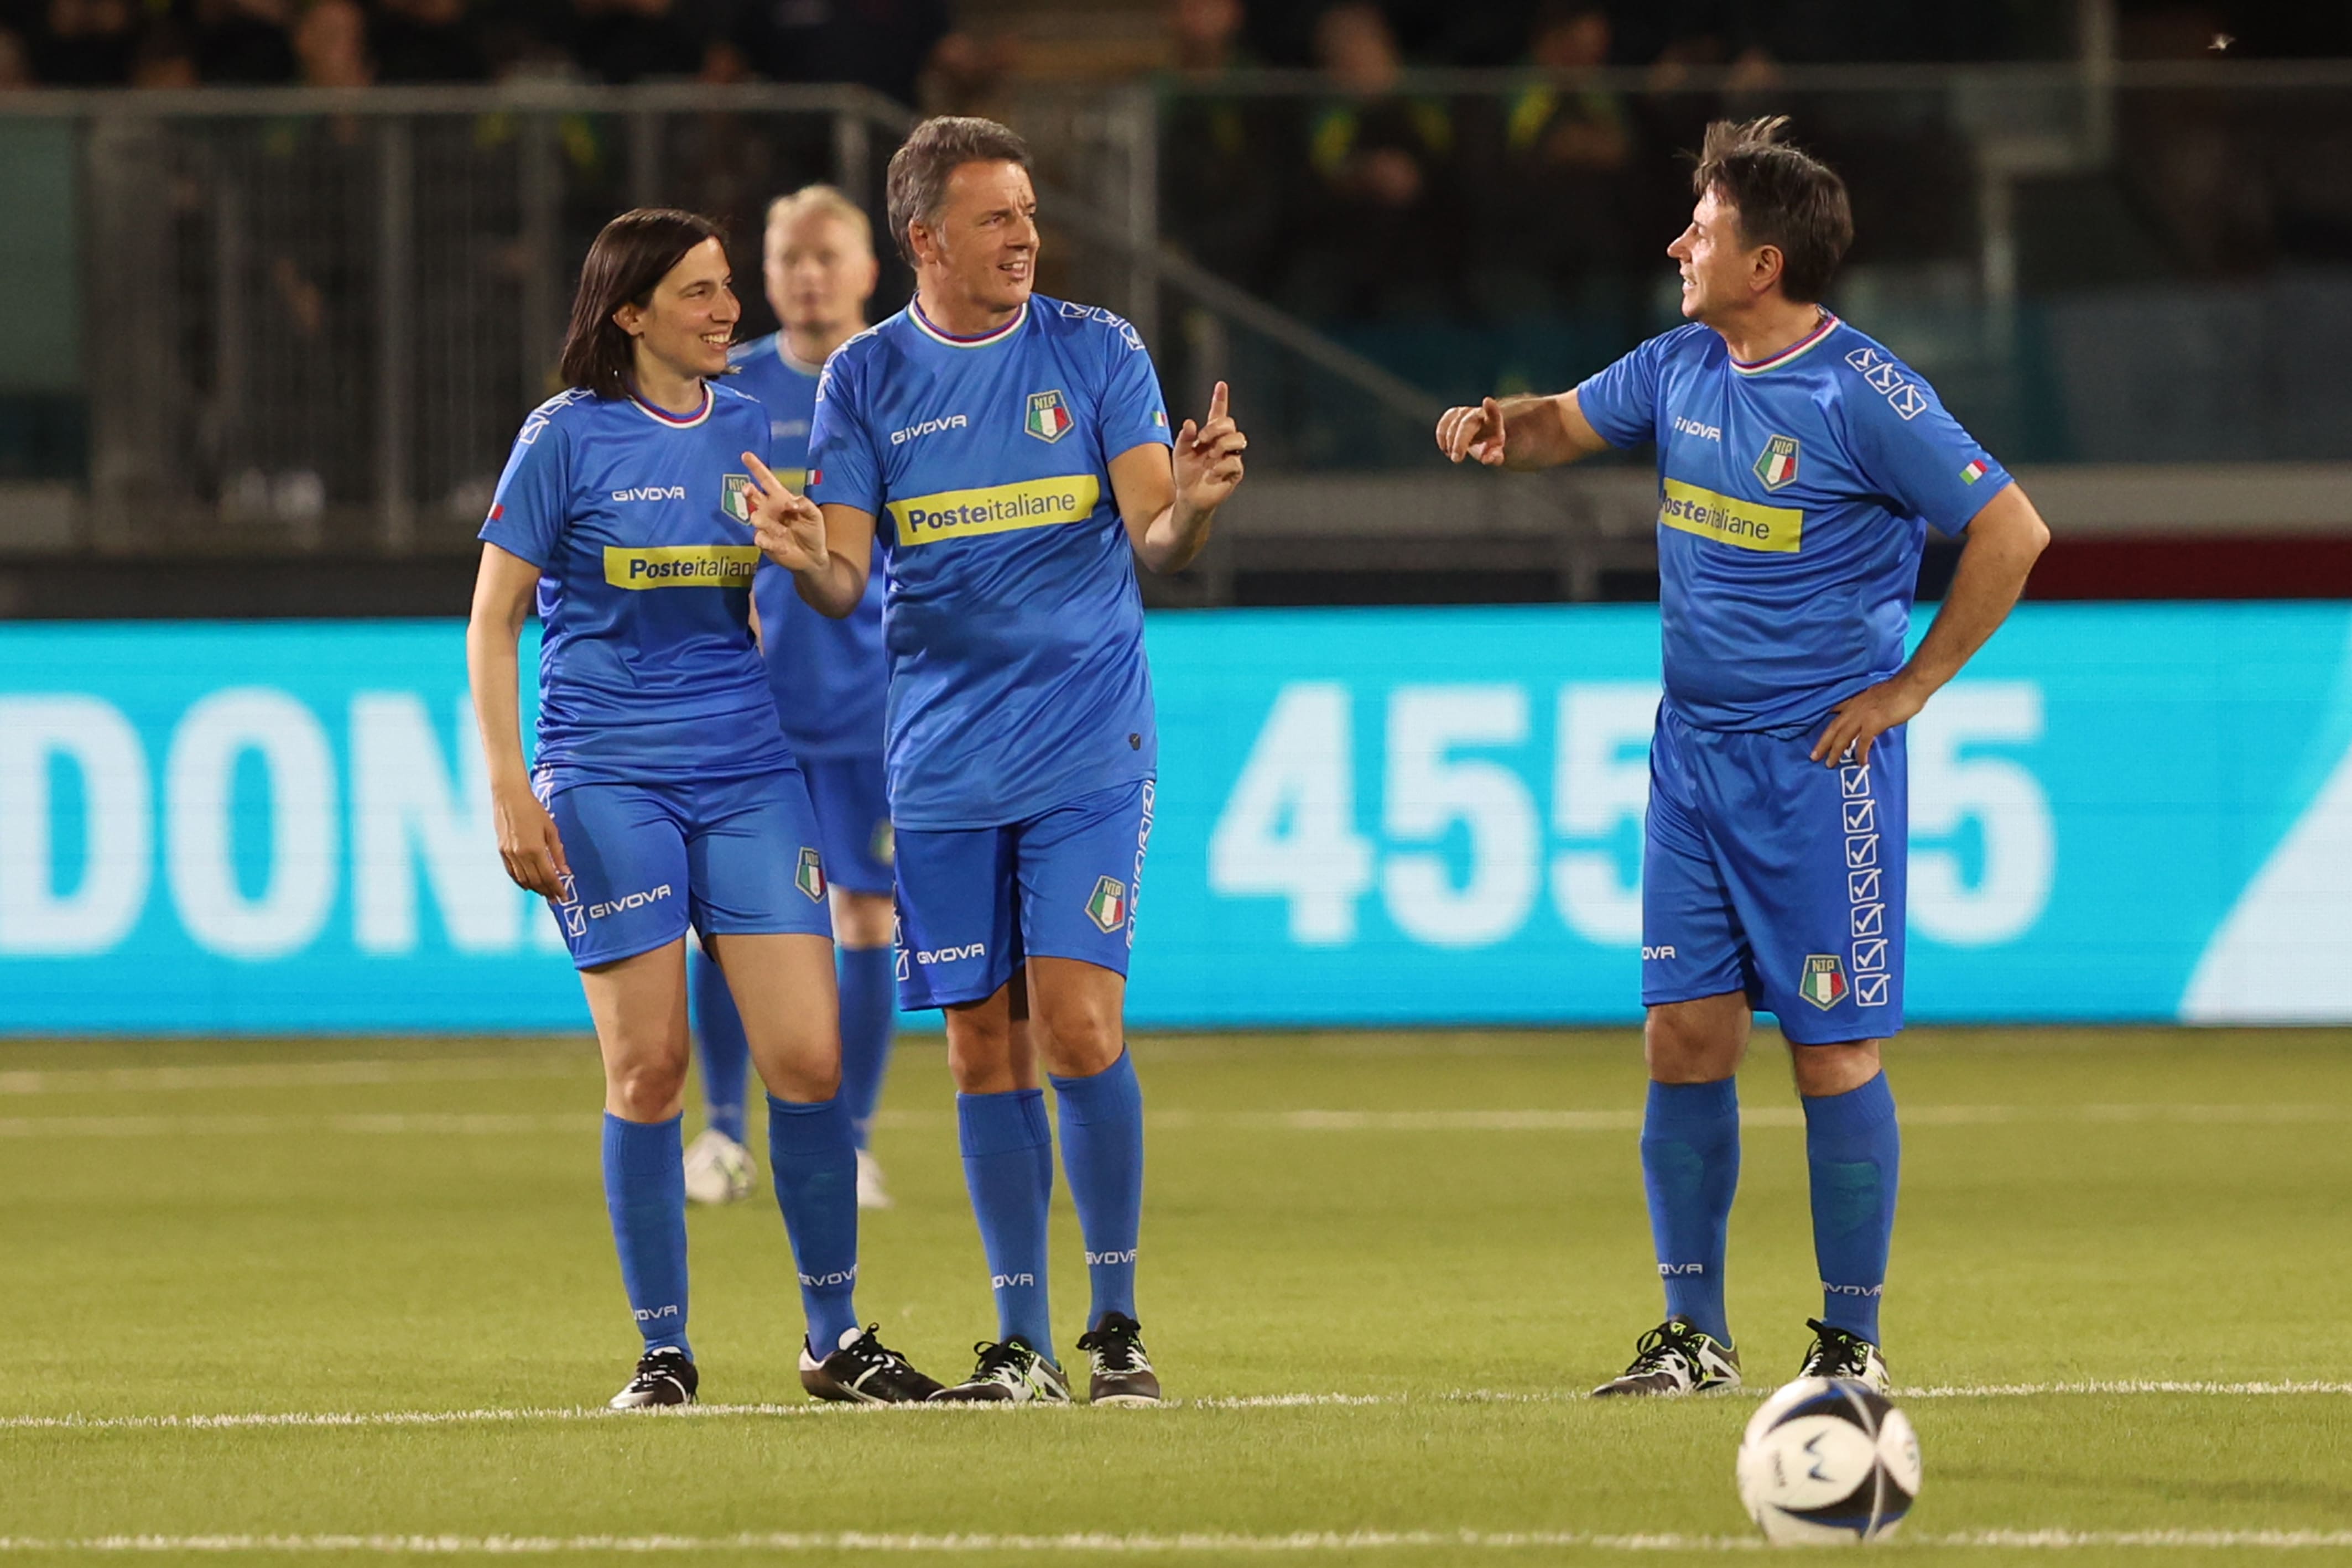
[(85, 43), (1569, 122), (1554, 202), (1206, 36), (166, 58), (1382, 219), (886, 45), (633, 40), (1224, 196), (16, 61), (427, 40), (330, 45), (245, 42)]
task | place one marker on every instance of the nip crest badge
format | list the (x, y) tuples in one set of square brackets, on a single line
[(1777, 465), (810, 877), (1108, 907), (1048, 418), (1824, 983), (735, 497)]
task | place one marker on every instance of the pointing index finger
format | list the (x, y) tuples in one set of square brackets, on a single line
[(1217, 403), (763, 474)]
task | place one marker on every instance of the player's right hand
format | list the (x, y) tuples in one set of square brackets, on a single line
[(788, 529), (529, 844), (1473, 433)]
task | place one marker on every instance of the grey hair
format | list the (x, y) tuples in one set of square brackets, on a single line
[(917, 184)]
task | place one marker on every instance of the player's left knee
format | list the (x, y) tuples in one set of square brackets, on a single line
[(803, 1083), (1081, 1040), (1838, 1069), (862, 920)]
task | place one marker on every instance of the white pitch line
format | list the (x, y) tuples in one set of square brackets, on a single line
[(360, 1418), (293, 1075), (488, 1125), (1139, 1544), (458, 1124)]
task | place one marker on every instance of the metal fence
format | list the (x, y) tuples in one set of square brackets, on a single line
[(312, 320), (285, 319)]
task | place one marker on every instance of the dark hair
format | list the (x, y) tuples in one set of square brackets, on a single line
[(633, 253), (918, 182), (1786, 198)]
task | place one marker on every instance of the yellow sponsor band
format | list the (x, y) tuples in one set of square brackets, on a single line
[(1779, 531), (681, 565), (998, 509)]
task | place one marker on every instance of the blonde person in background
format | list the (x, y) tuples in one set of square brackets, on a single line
[(829, 678)]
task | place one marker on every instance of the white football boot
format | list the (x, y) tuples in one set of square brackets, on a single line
[(1674, 1360), (1009, 1374), (718, 1169), (871, 1193), (1837, 1354)]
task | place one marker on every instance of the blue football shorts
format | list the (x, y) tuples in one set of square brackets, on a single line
[(853, 819), (974, 903), (729, 857), (1764, 872)]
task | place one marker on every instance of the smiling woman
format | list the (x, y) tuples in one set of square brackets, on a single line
[(656, 310), (663, 795)]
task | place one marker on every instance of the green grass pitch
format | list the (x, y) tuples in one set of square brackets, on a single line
[(1432, 1242)]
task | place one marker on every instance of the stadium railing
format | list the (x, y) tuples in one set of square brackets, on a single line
[(280, 325), (294, 320)]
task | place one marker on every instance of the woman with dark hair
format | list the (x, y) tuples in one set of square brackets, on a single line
[(664, 794)]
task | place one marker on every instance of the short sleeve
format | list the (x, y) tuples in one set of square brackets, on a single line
[(1908, 449), (843, 468), (1133, 414), (527, 510), (1620, 402)]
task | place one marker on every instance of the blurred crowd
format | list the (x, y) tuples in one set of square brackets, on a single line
[(1547, 196), (1369, 194), (887, 45), (942, 52)]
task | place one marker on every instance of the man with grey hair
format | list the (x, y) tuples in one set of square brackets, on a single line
[(1016, 454)]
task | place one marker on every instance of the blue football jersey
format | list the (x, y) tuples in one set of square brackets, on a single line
[(829, 677), (1794, 498), (639, 525), (1014, 624)]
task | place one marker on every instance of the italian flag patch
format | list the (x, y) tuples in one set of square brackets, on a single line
[(810, 877), (1108, 907), (1975, 471), (1823, 984)]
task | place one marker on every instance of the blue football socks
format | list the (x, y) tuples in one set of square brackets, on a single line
[(1690, 1168), (726, 1054), (645, 1191), (1856, 1153), (1101, 1120), (1008, 1164), (869, 1013), (814, 1162)]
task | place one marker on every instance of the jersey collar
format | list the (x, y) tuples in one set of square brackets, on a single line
[(1801, 346), (798, 366), (923, 324), (674, 421)]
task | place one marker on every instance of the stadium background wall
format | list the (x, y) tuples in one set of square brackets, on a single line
[(1365, 817)]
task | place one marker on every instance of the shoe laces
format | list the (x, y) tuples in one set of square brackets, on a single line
[(1836, 1353), (1671, 1342), (1117, 1345), (869, 1349), (1004, 1363), (658, 1365)]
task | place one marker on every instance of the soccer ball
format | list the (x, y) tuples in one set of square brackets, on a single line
[(1828, 1460)]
